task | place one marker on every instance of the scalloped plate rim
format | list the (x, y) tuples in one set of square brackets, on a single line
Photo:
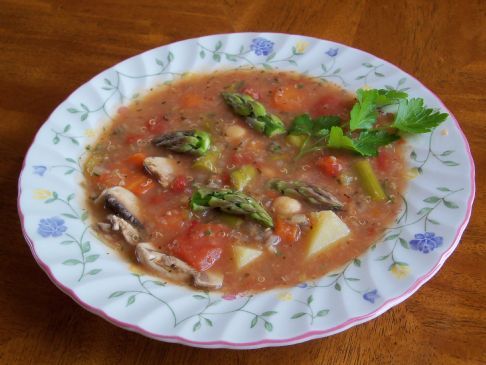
[(306, 336)]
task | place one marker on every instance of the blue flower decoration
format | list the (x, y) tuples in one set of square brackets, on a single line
[(39, 170), (261, 46), (302, 285), (426, 242), (332, 52), (51, 227), (371, 296)]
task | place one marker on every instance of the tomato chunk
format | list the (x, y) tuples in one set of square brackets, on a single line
[(202, 245), (179, 184), (288, 232), (329, 165)]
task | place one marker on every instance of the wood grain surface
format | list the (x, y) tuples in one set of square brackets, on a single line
[(49, 48)]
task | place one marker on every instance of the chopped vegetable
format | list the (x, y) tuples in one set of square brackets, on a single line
[(288, 99), (139, 184), (230, 220), (326, 229), (288, 232), (311, 193), (295, 140), (193, 142), (208, 161), (231, 202), (136, 160), (179, 184), (369, 181), (255, 114), (329, 165), (241, 177), (245, 255), (202, 245)]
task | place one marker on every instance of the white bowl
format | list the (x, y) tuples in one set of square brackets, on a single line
[(57, 227)]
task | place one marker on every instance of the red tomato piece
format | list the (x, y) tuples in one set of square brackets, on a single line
[(288, 232), (329, 165), (202, 245), (179, 184)]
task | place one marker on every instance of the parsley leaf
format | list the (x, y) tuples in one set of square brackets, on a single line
[(304, 125), (316, 131), (414, 117), (386, 97), (364, 113), (366, 144)]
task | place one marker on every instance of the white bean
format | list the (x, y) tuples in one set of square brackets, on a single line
[(286, 206), (235, 133)]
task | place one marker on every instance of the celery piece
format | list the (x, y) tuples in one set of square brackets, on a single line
[(241, 177), (231, 220), (369, 181), (208, 162), (295, 140)]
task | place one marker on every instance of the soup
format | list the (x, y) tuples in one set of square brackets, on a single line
[(234, 180)]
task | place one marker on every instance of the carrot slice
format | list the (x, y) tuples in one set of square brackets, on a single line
[(136, 160), (288, 232), (288, 99)]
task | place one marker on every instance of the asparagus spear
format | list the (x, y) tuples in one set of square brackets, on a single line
[(231, 202), (255, 114), (313, 194), (194, 142)]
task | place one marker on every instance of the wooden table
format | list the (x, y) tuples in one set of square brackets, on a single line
[(49, 48)]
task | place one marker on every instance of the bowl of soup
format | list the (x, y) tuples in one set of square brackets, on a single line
[(246, 190)]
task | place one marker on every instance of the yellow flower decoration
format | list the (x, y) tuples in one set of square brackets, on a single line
[(42, 194), (89, 132), (285, 297), (301, 46), (400, 270), (412, 173), (366, 87)]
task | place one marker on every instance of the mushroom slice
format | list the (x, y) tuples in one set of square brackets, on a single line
[(208, 280), (129, 232), (170, 266), (123, 203), (163, 169)]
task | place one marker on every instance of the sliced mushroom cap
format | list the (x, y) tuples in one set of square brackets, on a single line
[(170, 266), (207, 280), (123, 203), (175, 269), (129, 232), (164, 169)]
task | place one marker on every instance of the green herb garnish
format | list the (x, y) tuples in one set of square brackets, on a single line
[(360, 135)]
